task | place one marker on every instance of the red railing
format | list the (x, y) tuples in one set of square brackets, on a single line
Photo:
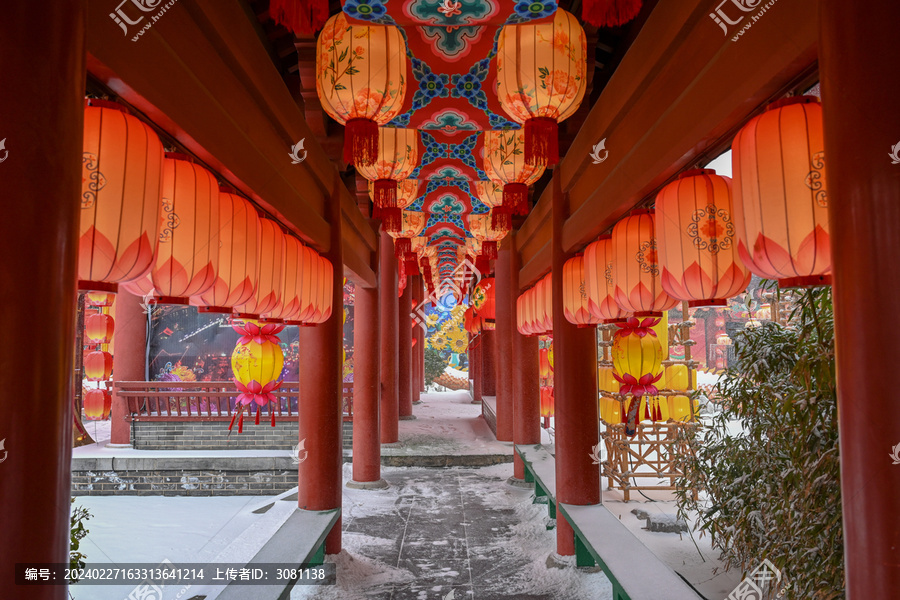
[(206, 400)]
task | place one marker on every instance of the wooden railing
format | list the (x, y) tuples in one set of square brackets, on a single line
[(206, 400)]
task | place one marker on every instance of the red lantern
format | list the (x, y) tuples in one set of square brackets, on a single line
[(100, 299), (270, 259), (292, 276), (636, 270), (575, 301), (120, 197), (545, 368), (598, 281), (187, 249), (97, 404), (697, 247), (238, 262), (780, 200), (99, 328), (98, 366)]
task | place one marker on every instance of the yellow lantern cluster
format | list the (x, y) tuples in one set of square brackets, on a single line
[(637, 355)]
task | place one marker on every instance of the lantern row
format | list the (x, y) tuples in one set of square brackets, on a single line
[(161, 226)]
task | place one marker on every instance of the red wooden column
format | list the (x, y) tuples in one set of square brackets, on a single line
[(419, 348), (526, 382), (575, 381), (488, 352), (475, 367), (405, 353), (130, 360), (390, 340), (366, 392), (858, 61), (42, 103), (505, 295), (321, 395)]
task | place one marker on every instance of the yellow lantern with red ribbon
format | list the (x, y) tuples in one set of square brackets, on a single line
[(257, 363), (504, 164), (637, 355), (97, 404), (398, 156), (361, 81), (636, 271), (541, 79), (121, 190)]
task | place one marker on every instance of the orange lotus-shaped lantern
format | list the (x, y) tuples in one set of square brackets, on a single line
[(541, 79), (599, 282), (698, 252), (121, 188), (575, 300), (361, 81), (780, 199), (636, 271), (270, 261)]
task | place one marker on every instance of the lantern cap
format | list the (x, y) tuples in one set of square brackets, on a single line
[(640, 211), (696, 173), (100, 103), (792, 100), (180, 156)]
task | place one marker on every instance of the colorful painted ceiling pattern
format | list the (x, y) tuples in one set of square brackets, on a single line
[(450, 99)]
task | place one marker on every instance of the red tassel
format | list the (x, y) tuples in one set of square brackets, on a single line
[(541, 141), (609, 13), (515, 198), (401, 247), (500, 219), (257, 415), (361, 142), (392, 219), (272, 413), (385, 194), (489, 250), (235, 417), (300, 17), (482, 264), (241, 422)]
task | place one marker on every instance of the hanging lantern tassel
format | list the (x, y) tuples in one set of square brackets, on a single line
[(515, 198), (401, 247), (541, 142), (272, 414), (501, 219), (385, 193), (609, 13), (392, 219), (361, 144), (301, 17), (489, 250)]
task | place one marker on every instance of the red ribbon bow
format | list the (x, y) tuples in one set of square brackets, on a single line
[(637, 387), (638, 328), (254, 390), (252, 332)]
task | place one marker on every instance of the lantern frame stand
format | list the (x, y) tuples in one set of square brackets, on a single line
[(629, 458)]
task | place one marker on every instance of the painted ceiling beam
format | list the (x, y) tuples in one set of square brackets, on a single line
[(682, 89), (202, 74)]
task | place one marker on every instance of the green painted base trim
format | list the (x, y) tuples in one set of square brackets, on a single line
[(583, 557)]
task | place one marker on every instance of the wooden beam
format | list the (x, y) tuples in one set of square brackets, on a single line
[(202, 74), (680, 90)]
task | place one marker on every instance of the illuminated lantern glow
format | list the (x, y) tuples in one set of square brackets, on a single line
[(411, 225), (504, 164), (257, 363), (98, 366), (541, 81), (121, 189), (575, 302), (545, 370), (548, 405), (697, 250), (99, 328), (481, 229), (598, 281), (637, 356), (100, 299), (292, 271), (398, 156), (97, 404), (780, 200), (187, 247), (361, 81), (238, 261), (606, 380), (636, 271), (270, 261), (545, 303)]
